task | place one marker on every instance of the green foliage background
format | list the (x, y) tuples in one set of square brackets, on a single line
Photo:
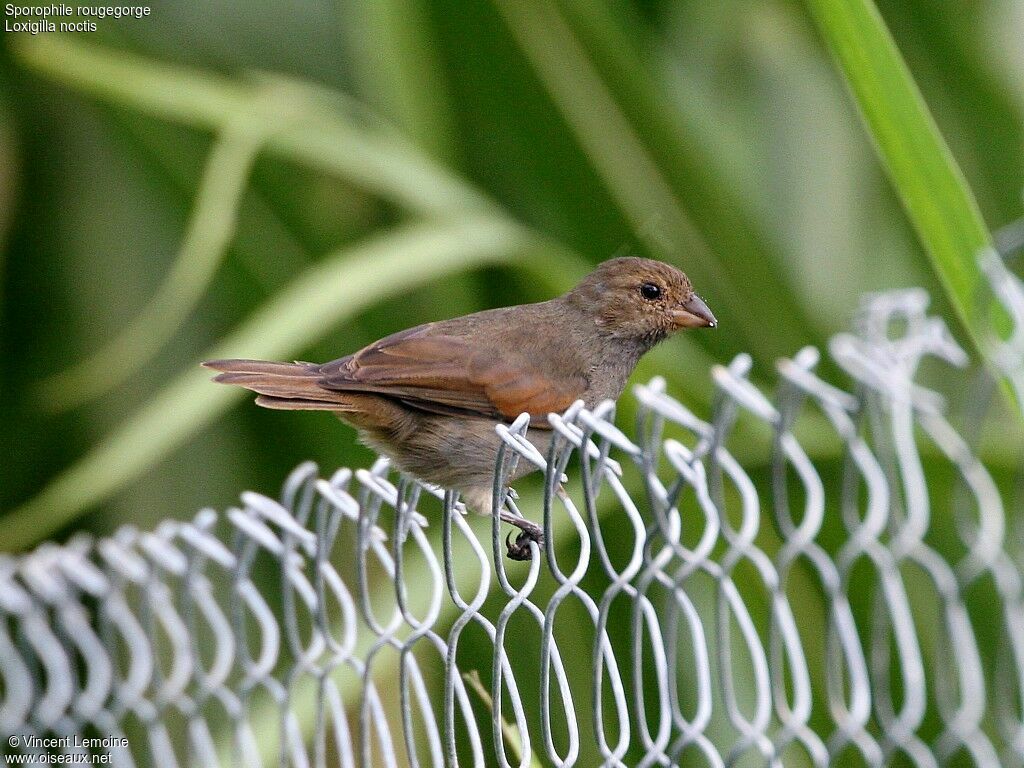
[(294, 180)]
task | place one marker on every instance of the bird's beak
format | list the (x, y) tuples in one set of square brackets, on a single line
[(693, 313)]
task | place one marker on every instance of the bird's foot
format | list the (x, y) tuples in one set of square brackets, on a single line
[(528, 531)]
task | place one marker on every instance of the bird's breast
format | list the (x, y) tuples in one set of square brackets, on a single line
[(610, 371)]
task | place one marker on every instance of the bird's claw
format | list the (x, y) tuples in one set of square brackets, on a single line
[(520, 549)]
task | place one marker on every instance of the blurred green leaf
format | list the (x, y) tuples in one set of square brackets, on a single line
[(9, 161), (380, 162), (205, 245), (398, 69)]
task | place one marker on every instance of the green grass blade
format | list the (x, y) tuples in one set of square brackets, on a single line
[(513, 738), (930, 184)]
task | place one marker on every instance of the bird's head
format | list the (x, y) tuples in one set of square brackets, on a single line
[(641, 299)]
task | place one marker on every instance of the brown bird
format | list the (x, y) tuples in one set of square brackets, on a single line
[(430, 397)]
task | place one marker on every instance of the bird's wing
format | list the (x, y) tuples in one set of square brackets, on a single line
[(452, 375)]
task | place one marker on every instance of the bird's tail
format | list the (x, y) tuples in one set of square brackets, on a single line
[(282, 386)]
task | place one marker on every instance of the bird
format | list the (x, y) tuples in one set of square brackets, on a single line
[(430, 397)]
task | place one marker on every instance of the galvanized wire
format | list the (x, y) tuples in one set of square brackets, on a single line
[(722, 615)]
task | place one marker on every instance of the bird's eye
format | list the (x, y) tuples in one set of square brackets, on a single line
[(650, 291)]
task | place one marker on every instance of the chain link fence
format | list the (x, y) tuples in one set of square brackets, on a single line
[(821, 577)]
